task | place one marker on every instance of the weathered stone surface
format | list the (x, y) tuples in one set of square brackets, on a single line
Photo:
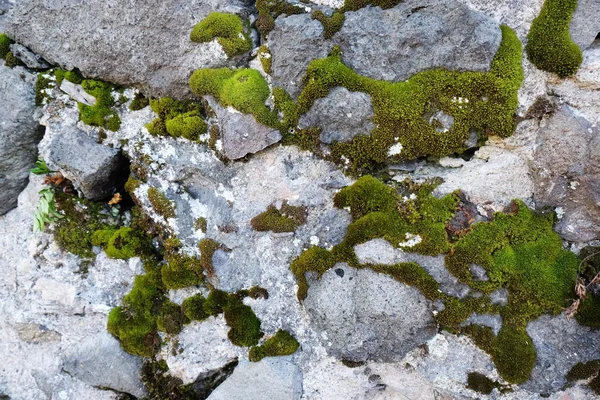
[(585, 24), (240, 133), (35, 333), (294, 43), (77, 93), (134, 43), (99, 361), (341, 115), (94, 169), (19, 134), (566, 173), (433, 34), (560, 343), (363, 315), (271, 378), (376, 251), (28, 57)]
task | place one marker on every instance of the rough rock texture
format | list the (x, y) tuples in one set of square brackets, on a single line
[(19, 134), (134, 43), (271, 378), (585, 25), (433, 34), (341, 115), (29, 58), (240, 133), (294, 43), (77, 93), (566, 173), (363, 315)]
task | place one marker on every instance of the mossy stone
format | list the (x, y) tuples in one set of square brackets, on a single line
[(160, 203), (286, 219), (227, 28), (281, 344)]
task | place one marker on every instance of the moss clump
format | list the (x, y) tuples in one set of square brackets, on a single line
[(227, 28), (487, 104), (215, 302), (134, 323), (549, 46), (365, 196), (139, 102), (193, 308), (244, 89), (122, 243), (131, 185), (480, 383), (583, 370), (331, 25), (588, 313), (282, 344), (264, 55), (315, 259), (73, 76), (353, 5), (160, 203), (257, 292), (207, 249), (171, 319), (181, 272), (201, 224), (286, 219), (177, 119), (244, 325), (11, 61), (102, 114), (4, 45), (268, 10)]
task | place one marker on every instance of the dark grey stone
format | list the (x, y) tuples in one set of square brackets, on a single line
[(28, 57)]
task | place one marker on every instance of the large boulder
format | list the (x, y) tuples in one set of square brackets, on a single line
[(134, 43), (585, 24), (417, 35), (363, 315), (19, 134)]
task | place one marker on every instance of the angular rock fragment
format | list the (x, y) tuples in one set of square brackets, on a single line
[(77, 93), (28, 57)]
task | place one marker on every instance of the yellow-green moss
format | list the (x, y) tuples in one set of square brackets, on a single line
[(10, 60), (286, 219), (399, 108), (122, 243), (215, 302), (177, 119), (4, 45), (207, 249), (331, 25), (549, 46), (268, 10), (353, 5), (201, 224), (181, 272), (170, 318), (139, 102), (281, 344), (266, 60), (131, 185), (227, 28), (101, 114), (160, 203), (193, 308)]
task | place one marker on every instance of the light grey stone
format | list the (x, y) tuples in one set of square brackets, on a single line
[(19, 134), (363, 315), (93, 168), (294, 43), (585, 25), (441, 121), (376, 251), (36, 333), (28, 57), (270, 378), (241, 134), (560, 343), (493, 321), (341, 115), (77, 93), (99, 361), (417, 35), (499, 297), (132, 43), (478, 272)]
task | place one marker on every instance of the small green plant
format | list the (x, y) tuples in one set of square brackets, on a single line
[(40, 168), (227, 28), (45, 212)]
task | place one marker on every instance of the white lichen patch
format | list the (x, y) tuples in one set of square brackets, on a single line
[(395, 149), (411, 240)]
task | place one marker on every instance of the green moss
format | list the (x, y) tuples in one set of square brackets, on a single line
[(229, 30), (102, 114), (42, 83), (201, 224), (131, 185), (134, 323), (400, 108), (193, 308), (189, 125), (286, 219), (4, 45), (257, 292), (177, 119), (582, 371), (11, 61), (353, 5), (315, 259), (268, 10), (514, 354), (73, 76), (124, 243), (588, 313), (160, 203), (139, 102), (244, 89), (181, 272), (331, 25), (171, 319), (480, 383), (549, 46), (266, 60), (412, 274), (282, 344), (207, 249), (365, 196), (244, 325), (215, 302)]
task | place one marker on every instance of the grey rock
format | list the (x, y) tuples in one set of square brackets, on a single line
[(36, 333), (93, 168), (566, 173), (560, 343), (99, 361), (478, 272), (441, 121), (132, 44), (270, 378), (5, 6), (493, 321), (294, 43), (363, 315), (417, 35), (19, 134), (585, 25), (77, 93), (376, 251), (499, 297), (341, 115), (28, 57), (241, 134)]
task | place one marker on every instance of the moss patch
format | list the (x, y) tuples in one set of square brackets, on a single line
[(4, 45), (266, 60), (207, 249), (286, 219), (227, 28), (201, 224), (42, 83), (193, 308), (281, 344), (139, 102), (181, 272), (171, 319), (160, 203), (122, 243), (268, 10), (480, 383), (102, 114), (331, 25), (549, 45), (177, 119)]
